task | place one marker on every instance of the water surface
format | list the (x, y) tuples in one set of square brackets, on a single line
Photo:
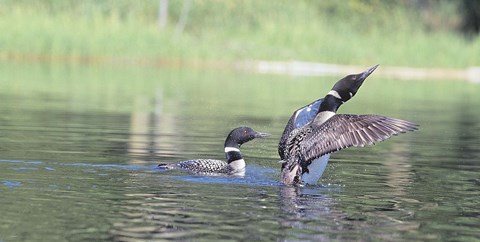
[(79, 146)]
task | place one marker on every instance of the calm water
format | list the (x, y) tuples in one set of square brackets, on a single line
[(79, 146)]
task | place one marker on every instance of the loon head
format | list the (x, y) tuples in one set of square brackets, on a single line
[(346, 87), (242, 135)]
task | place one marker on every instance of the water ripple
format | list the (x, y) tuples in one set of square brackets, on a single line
[(11, 184)]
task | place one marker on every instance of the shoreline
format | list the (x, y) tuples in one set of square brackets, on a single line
[(292, 68)]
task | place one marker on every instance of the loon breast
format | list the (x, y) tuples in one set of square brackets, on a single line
[(315, 170)]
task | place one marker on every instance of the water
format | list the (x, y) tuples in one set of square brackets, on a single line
[(79, 146)]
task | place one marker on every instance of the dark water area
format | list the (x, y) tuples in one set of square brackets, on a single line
[(79, 147)]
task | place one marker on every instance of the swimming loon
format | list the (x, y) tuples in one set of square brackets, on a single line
[(315, 131), (234, 164)]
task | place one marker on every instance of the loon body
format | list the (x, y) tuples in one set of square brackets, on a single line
[(234, 163), (315, 131)]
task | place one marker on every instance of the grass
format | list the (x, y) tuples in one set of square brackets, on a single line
[(349, 32)]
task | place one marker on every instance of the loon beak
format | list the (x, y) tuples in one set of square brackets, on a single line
[(367, 73), (261, 135)]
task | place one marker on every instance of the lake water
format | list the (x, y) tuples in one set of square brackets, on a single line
[(79, 146)]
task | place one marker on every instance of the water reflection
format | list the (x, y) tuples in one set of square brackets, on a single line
[(152, 133), (184, 213), (303, 205), (79, 147), (305, 202), (138, 142), (308, 213)]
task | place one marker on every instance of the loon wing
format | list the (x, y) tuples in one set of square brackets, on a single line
[(299, 119), (345, 130)]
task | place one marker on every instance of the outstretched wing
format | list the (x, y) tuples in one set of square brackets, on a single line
[(345, 130), (299, 118)]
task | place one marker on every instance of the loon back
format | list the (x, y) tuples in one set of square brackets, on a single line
[(201, 166)]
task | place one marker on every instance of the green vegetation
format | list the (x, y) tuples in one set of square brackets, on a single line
[(345, 32)]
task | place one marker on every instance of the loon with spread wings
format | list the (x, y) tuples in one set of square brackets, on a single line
[(315, 131)]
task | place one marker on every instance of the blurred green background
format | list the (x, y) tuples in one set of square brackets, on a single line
[(89, 88), (418, 33)]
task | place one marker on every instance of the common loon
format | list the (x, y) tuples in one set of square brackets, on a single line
[(315, 131), (234, 164)]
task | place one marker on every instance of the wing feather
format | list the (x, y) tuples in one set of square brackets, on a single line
[(346, 130)]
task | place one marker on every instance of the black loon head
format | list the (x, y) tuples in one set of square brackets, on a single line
[(346, 87), (242, 135)]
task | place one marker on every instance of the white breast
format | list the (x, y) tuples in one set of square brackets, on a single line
[(323, 116), (237, 165), (316, 169)]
